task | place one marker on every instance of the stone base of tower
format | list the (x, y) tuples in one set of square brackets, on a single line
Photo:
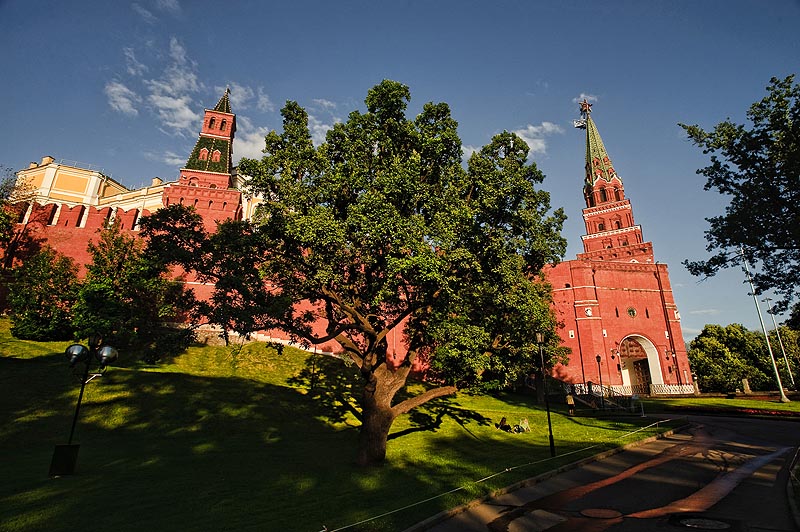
[(622, 325)]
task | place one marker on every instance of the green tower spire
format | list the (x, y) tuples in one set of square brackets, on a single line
[(224, 103), (598, 163)]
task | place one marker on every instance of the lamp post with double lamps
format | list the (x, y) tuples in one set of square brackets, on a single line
[(540, 341), (66, 456)]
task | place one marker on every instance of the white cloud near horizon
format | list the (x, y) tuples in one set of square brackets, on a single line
[(121, 98), (705, 312)]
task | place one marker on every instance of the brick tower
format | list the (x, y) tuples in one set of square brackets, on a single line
[(205, 182), (615, 302)]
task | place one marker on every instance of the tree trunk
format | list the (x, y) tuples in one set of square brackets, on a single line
[(378, 413), (376, 405), (374, 433)]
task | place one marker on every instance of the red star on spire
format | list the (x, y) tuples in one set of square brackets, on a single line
[(586, 107)]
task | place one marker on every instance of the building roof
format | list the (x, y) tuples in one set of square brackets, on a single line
[(224, 103)]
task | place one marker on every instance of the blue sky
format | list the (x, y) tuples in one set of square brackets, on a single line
[(122, 86)]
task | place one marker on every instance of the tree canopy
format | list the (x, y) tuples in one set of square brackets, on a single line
[(126, 298), (758, 166), (722, 356), (41, 296), (381, 229)]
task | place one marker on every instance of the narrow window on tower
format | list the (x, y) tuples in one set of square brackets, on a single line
[(616, 311), (617, 194), (647, 313), (215, 156), (603, 195), (203, 154), (601, 226), (223, 125), (212, 122)]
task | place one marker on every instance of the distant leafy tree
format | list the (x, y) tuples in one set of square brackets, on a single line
[(127, 298), (759, 168), (380, 229), (230, 259), (41, 297), (722, 356)]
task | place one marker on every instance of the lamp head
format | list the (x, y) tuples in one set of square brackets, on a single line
[(539, 338), (598, 358), (106, 355), (76, 353)]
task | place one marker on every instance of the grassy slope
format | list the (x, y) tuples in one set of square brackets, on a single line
[(217, 441)]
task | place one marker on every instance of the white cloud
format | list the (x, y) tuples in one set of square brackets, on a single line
[(705, 312), (318, 129), (174, 159), (176, 51), (240, 97), (121, 98), (534, 136), (323, 103), (175, 112), (244, 97), (169, 5), (584, 96), (249, 141), (171, 94), (146, 15), (134, 67), (263, 103), (467, 151)]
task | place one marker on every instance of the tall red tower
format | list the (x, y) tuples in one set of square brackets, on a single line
[(615, 302), (205, 182)]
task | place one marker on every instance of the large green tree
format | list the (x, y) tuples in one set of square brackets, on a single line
[(758, 166), (381, 229)]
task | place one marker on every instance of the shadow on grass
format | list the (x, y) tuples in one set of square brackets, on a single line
[(335, 384)]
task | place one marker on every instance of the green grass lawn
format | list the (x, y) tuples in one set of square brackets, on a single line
[(227, 439)]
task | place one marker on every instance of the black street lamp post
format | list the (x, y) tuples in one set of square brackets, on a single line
[(540, 341), (65, 456), (602, 390)]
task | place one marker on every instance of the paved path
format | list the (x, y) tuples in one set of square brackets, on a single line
[(719, 474)]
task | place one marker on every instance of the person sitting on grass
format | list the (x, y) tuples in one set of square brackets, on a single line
[(503, 425), (523, 426)]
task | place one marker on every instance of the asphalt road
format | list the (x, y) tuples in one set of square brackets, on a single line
[(718, 474)]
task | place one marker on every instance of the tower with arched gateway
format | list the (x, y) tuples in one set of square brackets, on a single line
[(614, 301)]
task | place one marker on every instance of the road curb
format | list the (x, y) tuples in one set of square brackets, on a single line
[(447, 514)]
